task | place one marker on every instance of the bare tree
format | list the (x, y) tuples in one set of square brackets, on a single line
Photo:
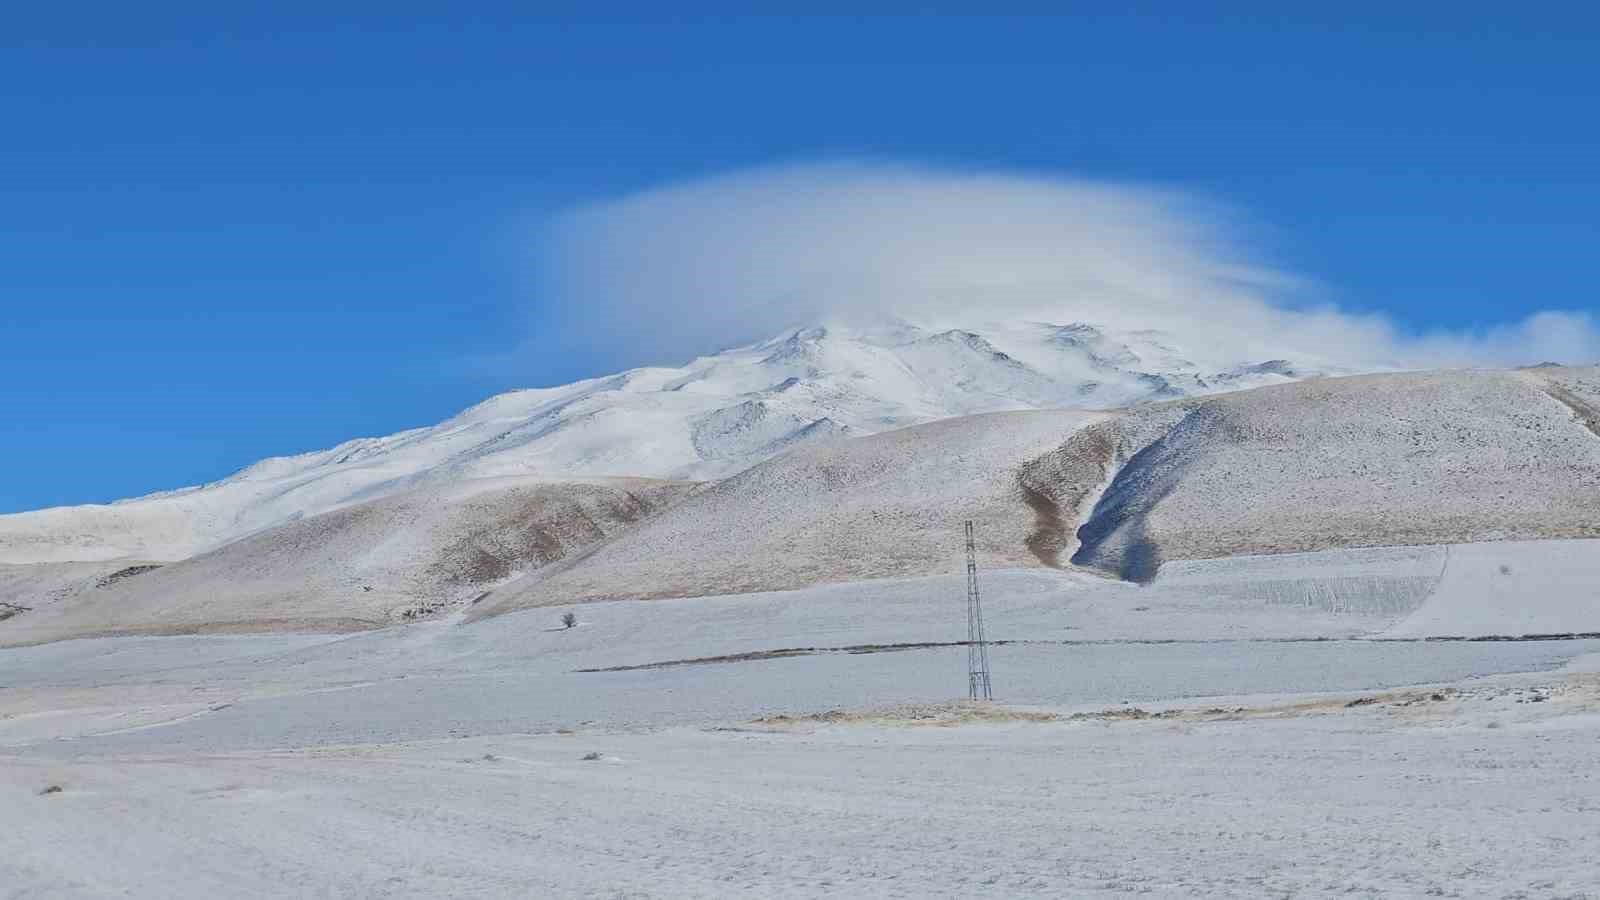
[(569, 619)]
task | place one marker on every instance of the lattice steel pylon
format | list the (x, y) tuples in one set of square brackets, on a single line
[(977, 643)]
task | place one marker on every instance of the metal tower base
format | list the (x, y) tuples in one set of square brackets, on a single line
[(978, 687)]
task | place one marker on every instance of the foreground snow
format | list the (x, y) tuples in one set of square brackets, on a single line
[(1482, 790), (1227, 732)]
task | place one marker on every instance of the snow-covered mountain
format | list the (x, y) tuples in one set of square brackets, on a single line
[(1390, 460), (706, 420)]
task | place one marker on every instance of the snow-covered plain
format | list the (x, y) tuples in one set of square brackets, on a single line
[(1145, 741), (1479, 794)]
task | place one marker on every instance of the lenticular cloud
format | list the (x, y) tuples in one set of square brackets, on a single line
[(701, 265)]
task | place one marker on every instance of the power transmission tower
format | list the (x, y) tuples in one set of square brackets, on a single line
[(977, 644)]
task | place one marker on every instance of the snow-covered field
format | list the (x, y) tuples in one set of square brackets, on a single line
[(802, 743), (1480, 793)]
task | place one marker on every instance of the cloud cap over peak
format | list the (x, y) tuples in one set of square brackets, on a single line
[(693, 267)]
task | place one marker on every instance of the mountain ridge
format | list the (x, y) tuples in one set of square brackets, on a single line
[(1116, 506), (706, 420), (1301, 467)]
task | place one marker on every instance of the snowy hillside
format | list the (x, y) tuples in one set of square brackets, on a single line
[(711, 418), (1371, 461), (881, 506), (1379, 460), (403, 558)]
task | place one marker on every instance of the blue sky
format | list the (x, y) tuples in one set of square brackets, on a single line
[(227, 235)]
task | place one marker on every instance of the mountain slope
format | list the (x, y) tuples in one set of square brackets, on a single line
[(1422, 458), (1368, 461), (1145, 494), (714, 417), (405, 557), (886, 505)]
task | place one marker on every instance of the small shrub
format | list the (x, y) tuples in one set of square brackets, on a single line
[(569, 619), (591, 757)]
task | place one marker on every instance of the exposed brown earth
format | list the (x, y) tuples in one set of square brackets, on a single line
[(1368, 461), (403, 558)]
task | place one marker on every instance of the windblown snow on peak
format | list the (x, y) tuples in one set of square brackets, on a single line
[(708, 419)]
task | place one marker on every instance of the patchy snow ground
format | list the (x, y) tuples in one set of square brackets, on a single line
[(413, 555), (1323, 464), (792, 744)]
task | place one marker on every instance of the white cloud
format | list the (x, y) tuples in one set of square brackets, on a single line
[(702, 265)]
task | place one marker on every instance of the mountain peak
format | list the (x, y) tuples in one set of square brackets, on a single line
[(708, 419)]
